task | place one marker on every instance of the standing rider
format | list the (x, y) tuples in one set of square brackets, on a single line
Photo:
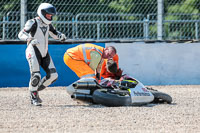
[(36, 33)]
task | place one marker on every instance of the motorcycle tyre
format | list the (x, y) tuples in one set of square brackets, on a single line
[(160, 97), (102, 96)]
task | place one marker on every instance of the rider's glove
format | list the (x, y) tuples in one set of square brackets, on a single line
[(32, 41), (62, 37)]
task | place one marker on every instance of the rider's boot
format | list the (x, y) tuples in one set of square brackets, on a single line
[(35, 99)]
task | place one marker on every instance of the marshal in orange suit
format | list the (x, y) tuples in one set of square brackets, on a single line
[(86, 59)]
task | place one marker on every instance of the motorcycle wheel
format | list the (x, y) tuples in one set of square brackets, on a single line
[(104, 97), (160, 97)]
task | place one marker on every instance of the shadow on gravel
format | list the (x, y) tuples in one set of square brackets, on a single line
[(156, 104), (173, 104), (102, 106), (77, 106)]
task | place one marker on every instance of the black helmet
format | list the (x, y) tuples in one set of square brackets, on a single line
[(111, 66)]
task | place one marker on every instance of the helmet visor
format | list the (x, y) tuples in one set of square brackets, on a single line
[(51, 11), (48, 13)]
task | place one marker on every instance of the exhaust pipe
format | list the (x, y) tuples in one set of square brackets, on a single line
[(83, 97), (85, 85)]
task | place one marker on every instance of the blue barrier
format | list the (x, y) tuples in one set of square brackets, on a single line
[(14, 70)]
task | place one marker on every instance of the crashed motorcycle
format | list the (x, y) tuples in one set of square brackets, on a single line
[(124, 92)]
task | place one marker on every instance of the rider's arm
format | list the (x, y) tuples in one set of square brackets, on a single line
[(116, 59), (119, 70), (56, 34), (103, 69), (52, 32), (29, 27)]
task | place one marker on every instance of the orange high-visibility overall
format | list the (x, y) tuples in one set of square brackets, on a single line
[(78, 59), (104, 72)]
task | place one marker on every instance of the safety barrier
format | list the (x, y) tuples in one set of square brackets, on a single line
[(153, 63)]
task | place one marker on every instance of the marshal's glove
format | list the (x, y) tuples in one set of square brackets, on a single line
[(98, 76), (32, 41), (118, 74), (62, 37)]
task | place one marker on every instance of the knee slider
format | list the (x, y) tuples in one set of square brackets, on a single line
[(35, 79)]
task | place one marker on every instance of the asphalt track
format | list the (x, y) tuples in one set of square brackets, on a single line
[(60, 114)]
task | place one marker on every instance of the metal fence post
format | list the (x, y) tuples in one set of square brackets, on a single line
[(73, 28), (146, 29), (23, 15), (196, 30), (98, 31), (160, 20), (4, 27)]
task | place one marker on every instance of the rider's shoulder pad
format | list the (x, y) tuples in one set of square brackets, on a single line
[(29, 24)]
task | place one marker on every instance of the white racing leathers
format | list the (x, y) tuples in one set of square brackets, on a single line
[(37, 55)]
